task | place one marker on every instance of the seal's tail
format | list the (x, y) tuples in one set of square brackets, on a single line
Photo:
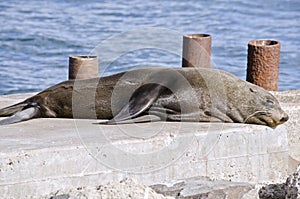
[(19, 112)]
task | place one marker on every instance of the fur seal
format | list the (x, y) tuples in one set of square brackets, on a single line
[(171, 94)]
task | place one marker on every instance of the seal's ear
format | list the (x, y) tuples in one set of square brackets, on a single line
[(140, 101)]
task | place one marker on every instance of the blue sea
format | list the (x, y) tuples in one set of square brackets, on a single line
[(37, 37)]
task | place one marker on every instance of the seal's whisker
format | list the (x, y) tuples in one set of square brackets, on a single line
[(254, 114)]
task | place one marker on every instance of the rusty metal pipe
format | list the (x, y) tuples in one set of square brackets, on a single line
[(263, 63), (83, 67), (196, 50)]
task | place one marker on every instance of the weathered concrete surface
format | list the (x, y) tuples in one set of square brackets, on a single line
[(41, 156), (290, 102), (44, 155), (118, 190)]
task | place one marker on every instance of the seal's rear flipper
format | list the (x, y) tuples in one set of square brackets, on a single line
[(8, 111), (23, 115), (140, 101)]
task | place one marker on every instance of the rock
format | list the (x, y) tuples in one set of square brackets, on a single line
[(272, 191), (204, 188), (288, 190), (293, 185), (169, 189), (62, 196)]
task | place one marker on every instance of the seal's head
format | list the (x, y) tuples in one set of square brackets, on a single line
[(265, 107)]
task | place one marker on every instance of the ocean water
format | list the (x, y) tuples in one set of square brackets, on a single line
[(37, 37)]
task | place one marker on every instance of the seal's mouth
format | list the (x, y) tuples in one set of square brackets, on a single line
[(266, 118)]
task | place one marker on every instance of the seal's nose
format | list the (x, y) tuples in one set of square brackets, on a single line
[(284, 118)]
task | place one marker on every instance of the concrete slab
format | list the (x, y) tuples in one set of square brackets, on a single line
[(290, 102), (42, 156), (126, 189)]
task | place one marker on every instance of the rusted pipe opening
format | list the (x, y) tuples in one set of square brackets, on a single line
[(263, 42), (263, 63), (193, 36), (83, 57), (83, 67), (196, 50)]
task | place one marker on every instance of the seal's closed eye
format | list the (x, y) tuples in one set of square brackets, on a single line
[(251, 90), (269, 101)]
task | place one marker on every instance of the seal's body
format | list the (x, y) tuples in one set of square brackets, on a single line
[(172, 94)]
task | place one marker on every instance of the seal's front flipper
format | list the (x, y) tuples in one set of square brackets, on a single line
[(139, 102), (23, 115), (140, 119)]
